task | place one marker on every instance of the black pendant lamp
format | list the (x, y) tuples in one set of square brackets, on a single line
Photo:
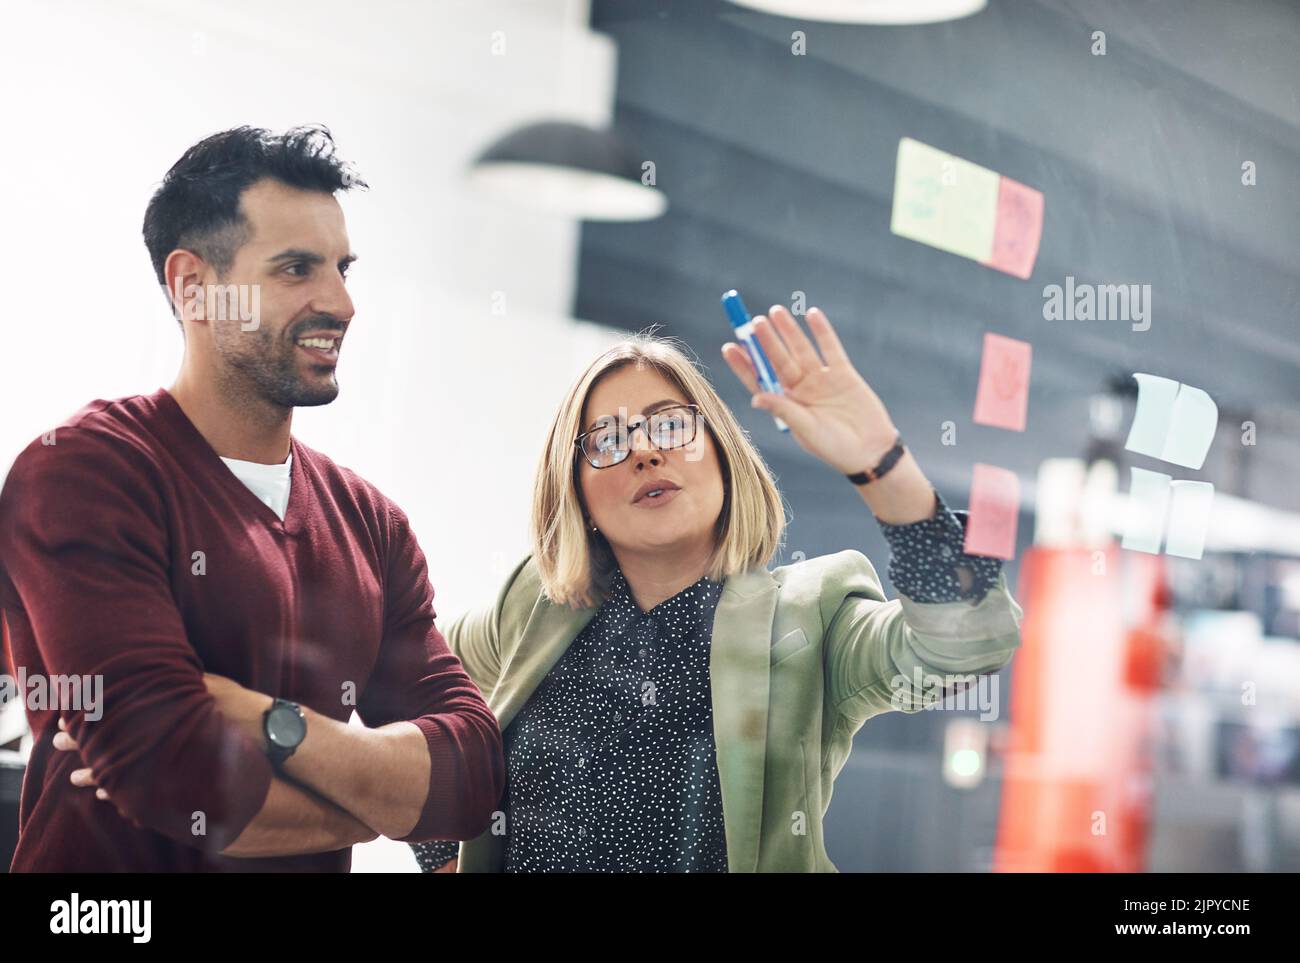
[(571, 170)]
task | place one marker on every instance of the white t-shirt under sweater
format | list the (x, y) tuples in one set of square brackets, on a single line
[(270, 483)]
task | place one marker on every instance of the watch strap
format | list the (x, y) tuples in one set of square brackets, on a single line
[(276, 753), (890, 459)]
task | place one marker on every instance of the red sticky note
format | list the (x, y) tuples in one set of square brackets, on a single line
[(1018, 228), (994, 511), (1003, 397)]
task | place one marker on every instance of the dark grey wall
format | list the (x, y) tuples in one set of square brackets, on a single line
[(779, 170)]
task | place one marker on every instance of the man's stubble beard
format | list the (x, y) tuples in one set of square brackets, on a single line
[(267, 368)]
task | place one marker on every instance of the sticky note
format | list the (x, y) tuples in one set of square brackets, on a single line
[(944, 201), (994, 512), (1018, 229), (1191, 428), (1144, 516), (1155, 410), (951, 204), (1189, 518), (1173, 422), (1003, 396)]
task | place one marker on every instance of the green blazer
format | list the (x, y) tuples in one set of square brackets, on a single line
[(801, 657)]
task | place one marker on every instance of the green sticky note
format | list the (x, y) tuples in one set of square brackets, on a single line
[(944, 201)]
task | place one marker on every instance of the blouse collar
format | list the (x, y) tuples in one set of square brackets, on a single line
[(684, 611)]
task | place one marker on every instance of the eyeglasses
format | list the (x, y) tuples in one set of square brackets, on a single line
[(607, 445)]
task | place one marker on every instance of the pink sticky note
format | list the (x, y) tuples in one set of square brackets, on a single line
[(1018, 228), (994, 511), (1003, 397)]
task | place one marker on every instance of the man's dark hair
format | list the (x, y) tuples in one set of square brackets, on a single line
[(197, 205)]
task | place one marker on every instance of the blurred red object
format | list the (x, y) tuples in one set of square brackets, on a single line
[(1082, 712)]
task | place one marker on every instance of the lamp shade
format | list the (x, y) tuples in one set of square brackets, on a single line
[(867, 11), (568, 169)]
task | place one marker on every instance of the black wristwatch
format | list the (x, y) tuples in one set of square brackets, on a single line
[(285, 727), (889, 461)]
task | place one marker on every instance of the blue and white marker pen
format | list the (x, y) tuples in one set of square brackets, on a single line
[(743, 326)]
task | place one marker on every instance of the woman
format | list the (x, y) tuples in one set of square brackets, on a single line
[(668, 704)]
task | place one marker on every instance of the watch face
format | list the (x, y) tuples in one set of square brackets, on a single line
[(285, 727)]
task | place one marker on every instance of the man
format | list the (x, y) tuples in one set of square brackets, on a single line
[(239, 593)]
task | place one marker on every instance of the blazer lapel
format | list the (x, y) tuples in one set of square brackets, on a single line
[(546, 637), (739, 667)]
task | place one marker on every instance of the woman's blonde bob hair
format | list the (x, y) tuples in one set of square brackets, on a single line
[(575, 564)]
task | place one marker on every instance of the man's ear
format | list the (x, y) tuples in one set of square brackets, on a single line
[(183, 271)]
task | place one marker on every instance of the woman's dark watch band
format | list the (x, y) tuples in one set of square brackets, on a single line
[(889, 461)]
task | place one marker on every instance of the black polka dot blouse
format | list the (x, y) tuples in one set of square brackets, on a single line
[(611, 764)]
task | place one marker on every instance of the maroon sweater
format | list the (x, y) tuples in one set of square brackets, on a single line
[(129, 550)]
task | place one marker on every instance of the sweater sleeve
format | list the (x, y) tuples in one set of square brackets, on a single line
[(418, 679), (84, 544)]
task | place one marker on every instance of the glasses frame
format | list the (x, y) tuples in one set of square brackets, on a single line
[(642, 425)]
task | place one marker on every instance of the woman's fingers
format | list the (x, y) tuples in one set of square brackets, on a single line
[(783, 363), (101, 794), (65, 742), (828, 342), (805, 355), (737, 359)]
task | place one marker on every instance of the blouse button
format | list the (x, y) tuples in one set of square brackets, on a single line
[(645, 653), (945, 551), (618, 717), (582, 761)]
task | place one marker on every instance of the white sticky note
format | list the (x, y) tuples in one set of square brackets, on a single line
[(1192, 426), (1148, 503), (1173, 422), (1189, 518), (944, 201), (1155, 411)]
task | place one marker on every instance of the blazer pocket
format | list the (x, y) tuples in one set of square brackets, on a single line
[(788, 645)]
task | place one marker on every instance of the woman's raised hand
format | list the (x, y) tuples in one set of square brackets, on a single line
[(831, 410)]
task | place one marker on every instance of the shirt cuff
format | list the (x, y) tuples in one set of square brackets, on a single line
[(925, 557), (435, 855)]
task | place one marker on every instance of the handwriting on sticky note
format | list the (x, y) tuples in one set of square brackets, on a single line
[(944, 201), (951, 204), (994, 512), (1003, 397), (1018, 230)]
